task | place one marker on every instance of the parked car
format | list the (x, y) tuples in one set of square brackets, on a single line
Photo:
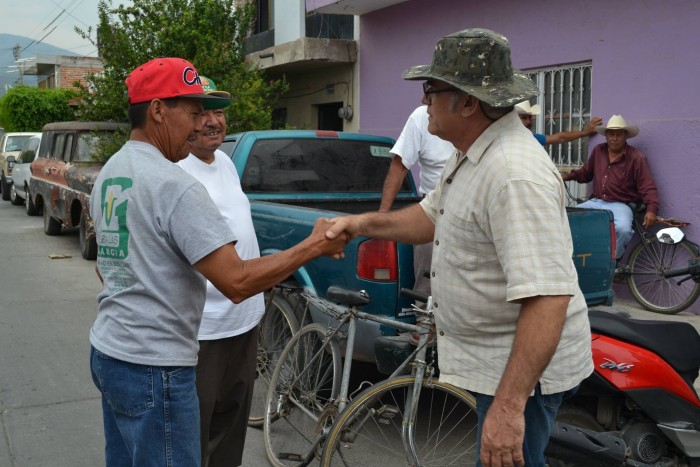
[(21, 174), (64, 173), (10, 145)]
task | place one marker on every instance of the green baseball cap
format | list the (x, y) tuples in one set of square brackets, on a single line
[(477, 61), (210, 88)]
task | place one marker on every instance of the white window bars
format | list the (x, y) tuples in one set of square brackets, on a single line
[(565, 99)]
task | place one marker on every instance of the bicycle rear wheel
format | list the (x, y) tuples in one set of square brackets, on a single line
[(653, 291), (303, 387), (369, 430), (276, 329)]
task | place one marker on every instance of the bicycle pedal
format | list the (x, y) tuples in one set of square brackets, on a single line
[(387, 414)]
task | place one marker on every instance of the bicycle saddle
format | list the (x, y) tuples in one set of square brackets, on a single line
[(348, 297)]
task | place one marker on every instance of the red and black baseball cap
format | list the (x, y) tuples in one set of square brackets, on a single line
[(165, 78)]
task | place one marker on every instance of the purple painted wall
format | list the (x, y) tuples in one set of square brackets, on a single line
[(645, 67)]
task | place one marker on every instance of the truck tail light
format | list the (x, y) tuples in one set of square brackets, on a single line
[(377, 261), (613, 241)]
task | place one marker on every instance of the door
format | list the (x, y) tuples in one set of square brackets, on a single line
[(328, 118)]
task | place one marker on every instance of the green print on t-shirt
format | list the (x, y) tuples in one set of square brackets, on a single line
[(113, 238)]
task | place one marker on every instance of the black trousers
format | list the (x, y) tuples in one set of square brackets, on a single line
[(225, 378)]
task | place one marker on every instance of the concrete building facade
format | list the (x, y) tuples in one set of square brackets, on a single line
[(316, 54), (62, 71)]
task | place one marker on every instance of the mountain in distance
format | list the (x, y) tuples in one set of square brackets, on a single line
[(8, 77)]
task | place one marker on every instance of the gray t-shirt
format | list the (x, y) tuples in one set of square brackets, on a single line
[(153, 222)]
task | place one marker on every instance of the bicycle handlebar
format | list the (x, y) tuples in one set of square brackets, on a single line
[(414, 295)]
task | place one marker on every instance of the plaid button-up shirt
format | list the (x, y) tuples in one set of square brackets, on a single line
[(502, 235)]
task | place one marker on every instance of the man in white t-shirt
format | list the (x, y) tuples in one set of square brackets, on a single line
[(416, 145), (228, 335)]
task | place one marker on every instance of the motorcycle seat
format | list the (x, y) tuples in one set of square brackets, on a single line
[(678, 343)]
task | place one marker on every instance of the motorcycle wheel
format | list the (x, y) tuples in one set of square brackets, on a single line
[(574, 416)]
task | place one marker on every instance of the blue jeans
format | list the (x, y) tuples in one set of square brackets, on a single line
[(540, 412), (150, 414), (622, 216)]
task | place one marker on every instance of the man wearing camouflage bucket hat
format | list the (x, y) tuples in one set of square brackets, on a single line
[(511, 321)]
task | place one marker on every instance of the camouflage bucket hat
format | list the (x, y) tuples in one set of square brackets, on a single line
[(477, 61)]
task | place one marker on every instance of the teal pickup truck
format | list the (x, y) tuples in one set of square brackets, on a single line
[(294, 177)]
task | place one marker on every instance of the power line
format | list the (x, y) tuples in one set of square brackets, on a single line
[(63, 10)]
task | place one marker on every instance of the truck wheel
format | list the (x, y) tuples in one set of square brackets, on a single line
[(5, 187), (88, 246), (14, 198), (51, 225), (29, 206)]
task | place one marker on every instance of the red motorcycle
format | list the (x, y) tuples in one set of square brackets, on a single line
[(639, 407)]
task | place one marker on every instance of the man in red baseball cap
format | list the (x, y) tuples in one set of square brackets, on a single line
[(167, 78), (159, 235)]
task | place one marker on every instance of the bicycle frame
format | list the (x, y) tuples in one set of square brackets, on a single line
[(350, 316)]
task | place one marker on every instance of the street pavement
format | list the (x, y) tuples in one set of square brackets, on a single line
[(50, 411), (49, 408)]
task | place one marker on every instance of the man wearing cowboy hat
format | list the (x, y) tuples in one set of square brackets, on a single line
[(527, 111), (511, 321), (620, 174)]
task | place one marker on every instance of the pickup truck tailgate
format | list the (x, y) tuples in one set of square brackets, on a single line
[(593, 234)]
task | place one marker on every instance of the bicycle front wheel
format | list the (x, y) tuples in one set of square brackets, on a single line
[(276, 329), (300, 401), (369, 430), (654, 292)]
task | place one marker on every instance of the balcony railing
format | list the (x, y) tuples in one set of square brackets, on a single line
[(318, 25), (324, 26), (259, 41)]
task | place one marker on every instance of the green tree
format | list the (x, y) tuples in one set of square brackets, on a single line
[(29, 109), (208, 33)]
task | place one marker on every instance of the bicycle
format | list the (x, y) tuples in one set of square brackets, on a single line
[(279, 323), (663, 269), (404, 420)]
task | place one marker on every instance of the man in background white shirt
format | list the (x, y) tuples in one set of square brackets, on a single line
[(228, 334), (416, 145)]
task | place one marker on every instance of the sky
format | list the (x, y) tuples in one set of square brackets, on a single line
[(52, 21)]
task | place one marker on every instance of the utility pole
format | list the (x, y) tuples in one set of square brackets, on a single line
[(17, 51)]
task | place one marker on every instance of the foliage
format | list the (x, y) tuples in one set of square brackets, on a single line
[(108, 143), (209, 33), (29, 109)]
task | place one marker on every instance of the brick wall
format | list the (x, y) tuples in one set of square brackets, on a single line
[(70, 74)]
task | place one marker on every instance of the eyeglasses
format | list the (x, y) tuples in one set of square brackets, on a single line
[(428, 90)]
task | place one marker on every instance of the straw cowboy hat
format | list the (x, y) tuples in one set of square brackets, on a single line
[(477, 61), (616, 122), (524, 108)]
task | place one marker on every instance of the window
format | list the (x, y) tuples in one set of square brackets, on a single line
[(317, 166), (58, 145), (29, 150), (565, 99), (69, 147), (15, 143), (264, 19)]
